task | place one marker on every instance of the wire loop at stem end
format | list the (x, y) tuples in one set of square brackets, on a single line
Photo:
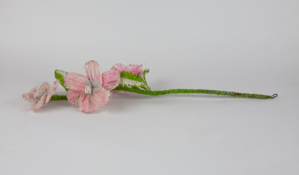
[(274, 95)]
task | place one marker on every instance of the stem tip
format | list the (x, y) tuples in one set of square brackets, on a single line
[(274, 95)]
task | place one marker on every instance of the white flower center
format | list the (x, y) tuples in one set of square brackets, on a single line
[(87, 89)]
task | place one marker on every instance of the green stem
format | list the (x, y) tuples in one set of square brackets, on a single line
[(58, 97), (193, 91), (179, 91)]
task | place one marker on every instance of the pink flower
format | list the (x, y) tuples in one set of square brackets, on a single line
[(135, 69), (41, 94), (91, 91)]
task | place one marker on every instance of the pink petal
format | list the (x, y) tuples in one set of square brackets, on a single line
[(102, 96), (39, 103), (29, 97), (119, 67), (73, 97), (42, 90), (45, 86), (135, 69), (93, 72), (75, 81), (52, 90), (111, 79), (34, 90), (89, 103)]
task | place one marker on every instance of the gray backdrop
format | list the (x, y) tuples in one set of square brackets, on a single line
[(244, 46)]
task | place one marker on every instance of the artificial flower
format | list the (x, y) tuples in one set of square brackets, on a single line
[(91, 91), (41, 94)]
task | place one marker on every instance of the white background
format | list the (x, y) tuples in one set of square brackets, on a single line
[(245, 46)]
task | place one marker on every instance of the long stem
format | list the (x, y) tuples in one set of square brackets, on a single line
[(193, 91), (179, 91)]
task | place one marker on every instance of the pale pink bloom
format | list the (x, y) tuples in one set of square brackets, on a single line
[(41, 94), (135, 69), (91, 91)]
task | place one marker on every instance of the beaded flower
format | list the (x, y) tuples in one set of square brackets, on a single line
[(92, 91), (41, 94)]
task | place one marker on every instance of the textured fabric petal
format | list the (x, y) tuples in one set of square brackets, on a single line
[(119, 67), (30, 95), (111, 79), (43, 89), (135, 69), (73, 97), (87, 103), (52, 90), (75, 81), (34, 90), (40, 103), (93, 72), (101, 96), (90, 103)]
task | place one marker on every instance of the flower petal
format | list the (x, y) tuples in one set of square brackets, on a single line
[(45, 86), (101, 96), (39, 103), (119, 67), (30, 95), (73, 97), (111, 79), (86, 103), (93, 72), (52, 90), (34, 90), (89, 103), (75, 81), (43, 89), (135, 69)]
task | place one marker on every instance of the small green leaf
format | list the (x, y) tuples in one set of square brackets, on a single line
[(145, 82), (60, 75), (131, 76)]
